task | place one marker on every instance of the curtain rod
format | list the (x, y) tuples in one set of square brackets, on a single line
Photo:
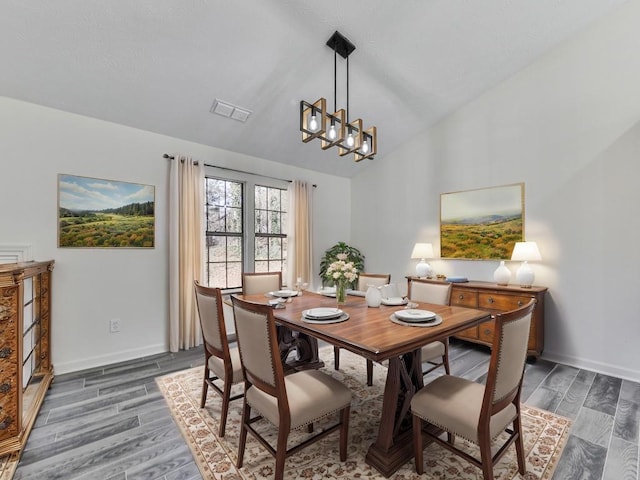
[(170, 157)]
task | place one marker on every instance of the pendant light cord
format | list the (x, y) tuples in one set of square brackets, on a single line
[(348, 120), (335, 79)]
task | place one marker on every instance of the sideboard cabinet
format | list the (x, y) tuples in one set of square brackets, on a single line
[(25, 355), (498, 299)]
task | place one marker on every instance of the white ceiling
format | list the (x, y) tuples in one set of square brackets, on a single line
[(158, 65)]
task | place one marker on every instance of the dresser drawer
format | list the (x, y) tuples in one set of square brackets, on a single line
[(464, 298), (501, 302), (486, 330)]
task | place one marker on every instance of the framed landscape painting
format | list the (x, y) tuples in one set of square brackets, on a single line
[(482, 224), (96, 213)]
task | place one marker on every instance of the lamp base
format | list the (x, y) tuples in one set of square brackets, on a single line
[(525, 275), (423, 269)]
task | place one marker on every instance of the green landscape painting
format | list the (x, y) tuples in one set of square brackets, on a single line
[(96, 213), (482, 224)]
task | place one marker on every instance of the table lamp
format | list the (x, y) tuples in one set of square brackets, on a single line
[(525, 252), (423, 251)]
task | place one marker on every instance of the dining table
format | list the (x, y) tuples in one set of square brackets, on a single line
[(375, 334)]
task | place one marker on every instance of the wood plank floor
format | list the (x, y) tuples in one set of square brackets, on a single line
[(112, 423)]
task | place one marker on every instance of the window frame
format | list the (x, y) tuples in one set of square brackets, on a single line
[(249, 181)]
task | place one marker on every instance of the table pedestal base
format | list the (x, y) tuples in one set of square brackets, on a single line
[(394, 445), (304, 349)]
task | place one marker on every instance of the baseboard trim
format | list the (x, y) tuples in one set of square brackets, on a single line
[(599, 367), (111, 358)]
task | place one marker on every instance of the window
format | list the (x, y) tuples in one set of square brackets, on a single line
[(224, 232), (270, 233), (246, 230)]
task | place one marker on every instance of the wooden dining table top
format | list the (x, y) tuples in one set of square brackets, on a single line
[(370, 332)]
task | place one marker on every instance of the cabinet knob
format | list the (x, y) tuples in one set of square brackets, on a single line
[(490, 300), (6, 423), (487, 331), (5, 387), (520, 303), (5, 352), (460, 296)]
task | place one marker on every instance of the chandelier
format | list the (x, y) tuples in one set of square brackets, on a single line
[(335, 129)]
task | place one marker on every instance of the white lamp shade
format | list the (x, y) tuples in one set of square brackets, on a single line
[(526, 251), (422, 250)]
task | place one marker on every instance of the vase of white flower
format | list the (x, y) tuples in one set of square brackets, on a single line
[(342, 273), (341, 292)]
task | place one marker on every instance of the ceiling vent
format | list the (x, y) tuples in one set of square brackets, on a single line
[(229, 110)]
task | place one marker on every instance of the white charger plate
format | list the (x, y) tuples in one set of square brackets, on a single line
[(344, 316), (322, 313), (413, 315), (437, 320)]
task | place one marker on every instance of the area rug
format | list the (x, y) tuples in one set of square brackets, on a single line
[(545, 435)]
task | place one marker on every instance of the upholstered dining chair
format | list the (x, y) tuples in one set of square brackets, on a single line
[(262, 282), (290, 402), (479, 413), (436, 354), (364, 280), (220, 362)]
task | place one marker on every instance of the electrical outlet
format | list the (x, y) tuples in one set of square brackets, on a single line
[(114, 325)]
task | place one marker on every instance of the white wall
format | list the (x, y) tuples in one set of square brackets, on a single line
[(568, 126), (91, 286)]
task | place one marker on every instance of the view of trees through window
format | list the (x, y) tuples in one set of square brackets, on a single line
[(224, 232), (227, 204), (271, 230)]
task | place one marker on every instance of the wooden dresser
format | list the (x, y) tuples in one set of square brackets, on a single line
[(25, 354), (496, 299)]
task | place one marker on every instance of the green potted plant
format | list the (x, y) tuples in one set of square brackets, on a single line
[(331, 255)]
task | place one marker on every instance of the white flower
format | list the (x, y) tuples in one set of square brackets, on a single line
[(341, 270)]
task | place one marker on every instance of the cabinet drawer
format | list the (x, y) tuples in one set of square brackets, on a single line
[(468, 334), (486, 330), (501, 302), (464, 298)]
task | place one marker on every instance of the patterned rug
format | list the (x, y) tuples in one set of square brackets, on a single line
[(545, 435)]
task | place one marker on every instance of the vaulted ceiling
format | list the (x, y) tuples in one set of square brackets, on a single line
[(158, 65)]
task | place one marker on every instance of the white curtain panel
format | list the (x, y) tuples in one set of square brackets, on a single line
[(186, 247), (300, 233)]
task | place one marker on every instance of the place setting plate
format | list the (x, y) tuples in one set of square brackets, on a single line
[(416, 318), (283, 293), (324, 315), (328, 291), (394, 301)]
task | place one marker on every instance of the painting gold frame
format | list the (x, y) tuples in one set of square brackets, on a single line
[(482, 224)]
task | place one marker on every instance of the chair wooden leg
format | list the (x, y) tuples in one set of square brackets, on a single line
[(246, 415), (522, 466), (417, 444), (369, 372), (486, 457), (226, 395), (344, 432), (336, 358), (281, 453), (205, 387)]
